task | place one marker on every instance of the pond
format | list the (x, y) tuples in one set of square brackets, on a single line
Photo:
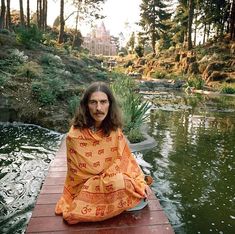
[(193, 162), (25, 154)]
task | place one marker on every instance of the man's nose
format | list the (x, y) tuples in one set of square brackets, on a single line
[(98, 106)]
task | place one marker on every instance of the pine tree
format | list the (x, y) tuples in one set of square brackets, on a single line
[(153, 15)]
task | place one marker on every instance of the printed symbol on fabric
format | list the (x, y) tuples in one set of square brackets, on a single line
[(72, 151), (85, 187), (120, 137), (96, 164), (100, 210), (80, 137), (73, 170), (111, 175), (101, 151), (109, 188), (109, 159), (82, 165), (88, 154), (121, 204), (69, 160), (108, 139), (83, 144), (86, 210), (114, 149), (69, 138), (71, 178), (96, 178), (117, 168), (96, 143), (110, 209), (97, 188)]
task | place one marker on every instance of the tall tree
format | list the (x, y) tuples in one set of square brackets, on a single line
[(190, 22), (62, 22), (2, 14), (232, 21), (21, 13), (8, 15), (28, 14), (153, 15)]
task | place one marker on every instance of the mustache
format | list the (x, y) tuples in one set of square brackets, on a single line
[(99, 113)]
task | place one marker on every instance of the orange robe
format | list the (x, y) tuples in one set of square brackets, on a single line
[(103, 177)]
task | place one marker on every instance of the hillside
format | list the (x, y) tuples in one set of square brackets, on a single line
[(41, 84)]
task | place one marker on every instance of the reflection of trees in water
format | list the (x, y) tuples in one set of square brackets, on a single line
[(194, 169)]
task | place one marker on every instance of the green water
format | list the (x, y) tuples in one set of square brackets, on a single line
[(193, 162), (25, 154)]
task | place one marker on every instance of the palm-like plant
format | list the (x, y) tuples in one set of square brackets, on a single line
[(135, 110)]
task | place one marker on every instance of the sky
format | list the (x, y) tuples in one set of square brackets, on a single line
[(117, 12)]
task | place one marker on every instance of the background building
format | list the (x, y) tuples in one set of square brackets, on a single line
[(99, 41)]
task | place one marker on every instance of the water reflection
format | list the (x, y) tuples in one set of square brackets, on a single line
[(193, 162), (25, 153)]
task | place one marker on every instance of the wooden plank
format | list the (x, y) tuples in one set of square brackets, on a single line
[(159, 229), (126, 219)]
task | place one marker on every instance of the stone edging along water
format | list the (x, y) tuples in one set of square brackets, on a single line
[(148, 143)]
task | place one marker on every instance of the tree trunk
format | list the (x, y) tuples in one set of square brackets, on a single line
[(76, 30), (44, 14), (21, 13), (62, 22), (190, 22), (2, 15), (8, 16), (232, 21), (28, 14)]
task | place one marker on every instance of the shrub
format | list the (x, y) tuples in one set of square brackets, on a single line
[(159, 75), (134, 109), (227, 89), (30, 70), (28, 35), (73, 104), (196, 82), (135, 135), (139, 51), (52, 60)]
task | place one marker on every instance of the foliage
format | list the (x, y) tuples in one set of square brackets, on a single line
[(139, 51), (131, 43), (73, 104), (3, 79), (153, 19), (27, 36), (159, 75), (52, 60), (134, 108), (135, 135), (30, 70), (227, 89), (196, 82), (44, 95)]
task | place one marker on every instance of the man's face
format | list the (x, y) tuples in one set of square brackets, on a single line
[(98, 105)]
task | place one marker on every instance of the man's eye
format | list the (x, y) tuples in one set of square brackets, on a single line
[(93, 102), (104, 101)]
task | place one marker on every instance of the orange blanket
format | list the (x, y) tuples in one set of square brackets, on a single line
[(103, 177)]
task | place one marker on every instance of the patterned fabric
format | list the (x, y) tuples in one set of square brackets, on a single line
[(103, 177)]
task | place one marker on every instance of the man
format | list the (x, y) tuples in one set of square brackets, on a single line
[(103, 178)]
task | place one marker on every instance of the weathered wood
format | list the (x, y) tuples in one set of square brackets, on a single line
[(151, 219)]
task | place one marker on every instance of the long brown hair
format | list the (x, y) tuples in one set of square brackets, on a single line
[(83, 119)]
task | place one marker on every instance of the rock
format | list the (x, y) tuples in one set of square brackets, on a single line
[(210, 68), (217, 76), (193, 68)]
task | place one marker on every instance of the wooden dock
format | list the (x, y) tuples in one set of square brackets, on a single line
[(151, 219)]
